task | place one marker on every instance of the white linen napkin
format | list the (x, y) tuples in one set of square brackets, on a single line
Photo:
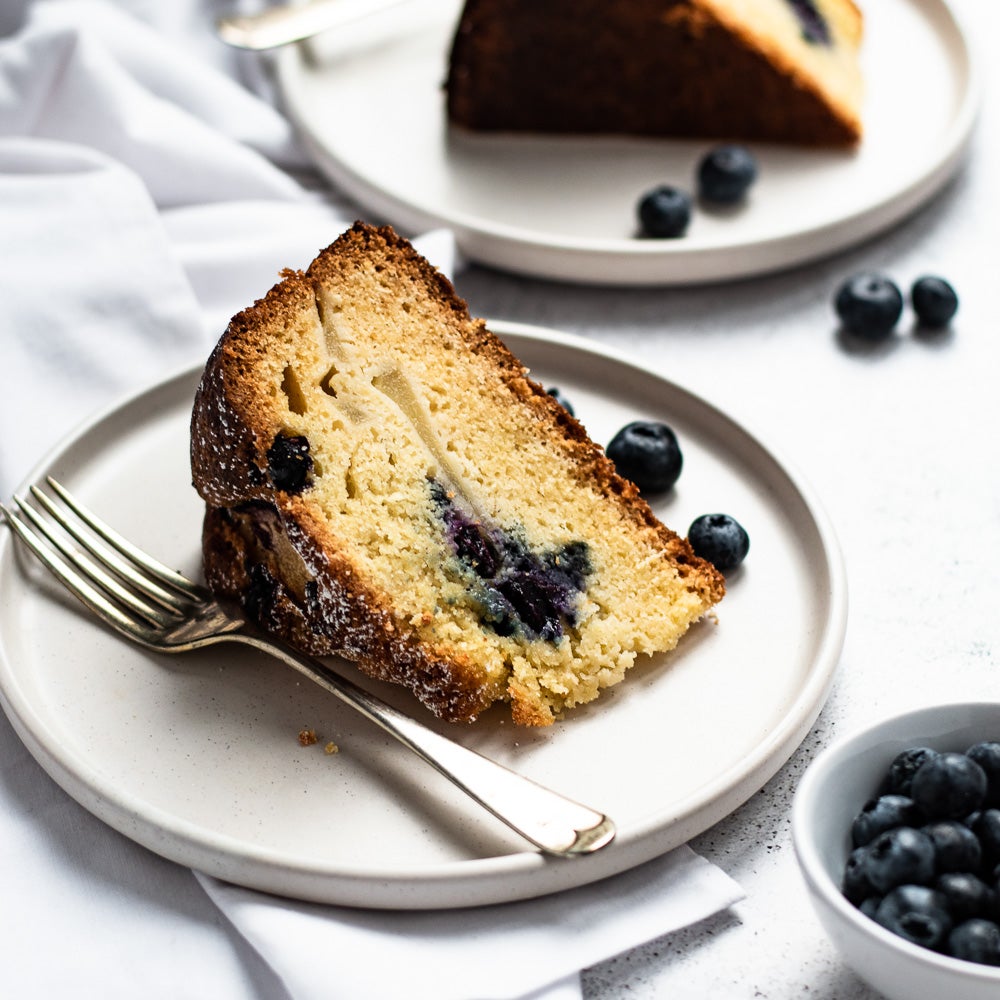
[(146, 197), (135, 224), (534, 948)]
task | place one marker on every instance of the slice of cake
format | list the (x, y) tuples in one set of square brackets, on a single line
[(769, 70), (384, 482)]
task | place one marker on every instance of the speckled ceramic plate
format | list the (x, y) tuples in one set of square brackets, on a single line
[(370, 107), (197, 757)]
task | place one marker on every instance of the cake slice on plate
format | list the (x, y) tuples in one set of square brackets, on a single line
[(384, 482), (767, 70)]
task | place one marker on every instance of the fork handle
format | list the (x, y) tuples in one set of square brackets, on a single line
[(550, 821), (294, 22)]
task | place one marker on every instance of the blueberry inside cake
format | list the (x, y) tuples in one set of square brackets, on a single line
[(770, 70), (384, 482)]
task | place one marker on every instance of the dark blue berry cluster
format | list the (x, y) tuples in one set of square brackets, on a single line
[(724, 175), (869, 304), (514, 588), (925, 859)]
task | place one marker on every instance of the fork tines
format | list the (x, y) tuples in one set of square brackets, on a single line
[(95, 563)]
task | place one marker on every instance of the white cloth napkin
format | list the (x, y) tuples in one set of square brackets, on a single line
[(147, 195), (523, 949)]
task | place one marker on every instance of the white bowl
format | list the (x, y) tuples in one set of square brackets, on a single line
[(831, 793)]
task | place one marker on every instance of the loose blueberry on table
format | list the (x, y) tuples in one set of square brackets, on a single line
[(725, 174), (664, 212), (869, 306), (926, 851), (934, 301), (720, 539), (648, 453)]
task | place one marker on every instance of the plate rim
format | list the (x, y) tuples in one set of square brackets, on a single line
[(469, 882), (655, 263)]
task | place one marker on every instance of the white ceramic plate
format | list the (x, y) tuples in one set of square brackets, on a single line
[(197, 757), (373, 115)]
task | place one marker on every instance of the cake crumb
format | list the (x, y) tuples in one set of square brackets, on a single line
[(307, 737), (331, 747)]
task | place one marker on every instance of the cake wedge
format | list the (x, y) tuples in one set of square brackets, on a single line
[(384, 482), (783, 71)]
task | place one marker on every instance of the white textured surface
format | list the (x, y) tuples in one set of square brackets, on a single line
[(899, 442)]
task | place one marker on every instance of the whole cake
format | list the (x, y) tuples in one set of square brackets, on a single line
[(384, 482), (769, 70)]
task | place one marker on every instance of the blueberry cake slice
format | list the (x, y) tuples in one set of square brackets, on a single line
[(385, 483), (769, 70)]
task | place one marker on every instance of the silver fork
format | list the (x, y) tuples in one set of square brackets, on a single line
[(164, 611), (295, 22)]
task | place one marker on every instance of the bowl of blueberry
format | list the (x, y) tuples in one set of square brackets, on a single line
[(897, 833)]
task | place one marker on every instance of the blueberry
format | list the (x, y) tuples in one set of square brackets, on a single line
[(986, 826), (720, 539), (572, 563), (949, 786), (869, 306), (975, 940), (987, 756), (901, 856), (665, 212), (648, 454), (905, 765), (934, 301), (498, 612), (881, 814), (259, 597), (725, 174), (856, 884), (289, 463), (956, 847), (557, 395), (916, 913), (814, 27), (474, 547), (967, 895), (532, 605)]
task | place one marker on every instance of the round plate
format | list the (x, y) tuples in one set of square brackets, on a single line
[(197, 756), (371, 109)]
